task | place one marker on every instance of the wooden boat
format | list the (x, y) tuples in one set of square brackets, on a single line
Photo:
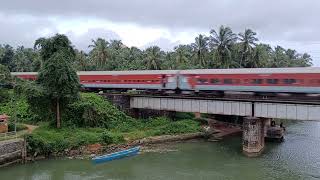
[(275, 133), (117, 155)]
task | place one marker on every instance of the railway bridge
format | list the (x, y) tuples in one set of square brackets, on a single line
[(257, 113)]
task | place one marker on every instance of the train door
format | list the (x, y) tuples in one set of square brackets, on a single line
[(186, 82)]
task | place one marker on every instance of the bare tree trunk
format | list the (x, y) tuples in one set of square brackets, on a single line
[(58, 114)]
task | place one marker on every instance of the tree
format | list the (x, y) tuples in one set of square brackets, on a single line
[(304, 60), (57, 76), (6, 56), (25, 60), (221, 43), (49, 46), (154, 57), (200, 48), (262, 55), (100, 52), (247, 41), (183, 55), (279, 59), (81, 62), (5, 80)]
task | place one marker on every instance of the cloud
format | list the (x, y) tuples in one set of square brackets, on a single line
[(272, 18), (163, 43), (139, 22), (18, 30), (82, 41)]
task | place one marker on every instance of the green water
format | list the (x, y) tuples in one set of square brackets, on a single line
[(296, 158)]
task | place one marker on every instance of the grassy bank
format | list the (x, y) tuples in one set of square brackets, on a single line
[(46, 140)]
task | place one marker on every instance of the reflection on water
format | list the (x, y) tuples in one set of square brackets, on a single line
[(296, 158)]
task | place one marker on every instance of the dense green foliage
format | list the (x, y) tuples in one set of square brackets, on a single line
[(90, 119), (47, 140), (57, 84), (221, 49), (19, 109), (93, 111), (5, 81)]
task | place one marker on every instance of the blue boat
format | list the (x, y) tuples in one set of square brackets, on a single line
[(116, 155)]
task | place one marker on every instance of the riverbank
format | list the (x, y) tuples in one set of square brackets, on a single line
[(46, 141), (66, 142), (147, 145)]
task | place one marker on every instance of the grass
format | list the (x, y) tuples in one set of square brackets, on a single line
[(47, 140)]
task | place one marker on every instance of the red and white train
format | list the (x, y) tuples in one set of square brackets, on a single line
[(274, 80)]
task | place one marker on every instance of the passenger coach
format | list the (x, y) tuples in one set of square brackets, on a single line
[(283, 80)]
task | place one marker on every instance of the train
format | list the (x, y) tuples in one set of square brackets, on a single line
[(304, 80)]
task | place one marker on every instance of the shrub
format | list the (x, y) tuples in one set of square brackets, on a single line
[(178, 127), (156, 122), (46, 140), (107, 137), (110, 138), (94, 111), (19, 108)]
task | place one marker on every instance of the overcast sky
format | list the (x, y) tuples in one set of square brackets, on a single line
[(290, 23)]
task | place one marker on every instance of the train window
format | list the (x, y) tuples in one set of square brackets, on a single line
[(236, 81), (257, 81), (246, 81), (214, 81), (227, 81), (289, 81), (272, 81), (202, 81), (314, 81)]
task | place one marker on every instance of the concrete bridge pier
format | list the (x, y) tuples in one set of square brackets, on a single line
[(253, 136)]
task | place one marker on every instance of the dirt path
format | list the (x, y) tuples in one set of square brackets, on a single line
[(30, 127)]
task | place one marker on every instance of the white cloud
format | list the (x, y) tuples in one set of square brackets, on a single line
[(141, 22)]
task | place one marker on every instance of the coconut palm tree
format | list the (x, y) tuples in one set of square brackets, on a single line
[(247, 41), (153, 57), (221, 43), (81, 60), (183, 55), (200, 49), (100, 52)]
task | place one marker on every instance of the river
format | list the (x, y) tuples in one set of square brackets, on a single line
[(296, 158)]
